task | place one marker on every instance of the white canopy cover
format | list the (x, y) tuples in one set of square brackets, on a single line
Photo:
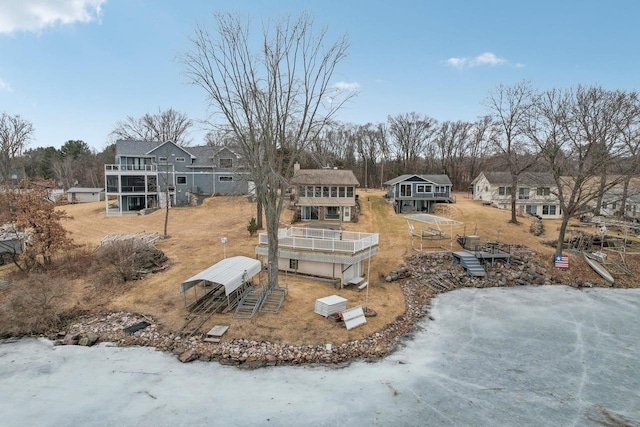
[(230, 273)]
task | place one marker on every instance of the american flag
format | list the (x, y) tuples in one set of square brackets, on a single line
[(562, 262)]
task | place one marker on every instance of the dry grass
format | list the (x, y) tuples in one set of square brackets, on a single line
[(194, 244)]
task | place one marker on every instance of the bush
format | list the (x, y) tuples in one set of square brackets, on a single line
[(122, 261), (34, 306), (252, 228)]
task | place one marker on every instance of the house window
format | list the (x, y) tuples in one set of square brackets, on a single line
[(181, 179), (225, 179), (325, 191), (226, 163), (301, 190), (423, 188), (523, 193), (162, 159), (340, 191), (349, 191), (317, 192), (405, 190), (504, 191), (613, 205), (293, 264), (332, 212), (543, 191), (309, 191), (548, 209), (531, 209), (604, 205), (334, 191), (179, 159)]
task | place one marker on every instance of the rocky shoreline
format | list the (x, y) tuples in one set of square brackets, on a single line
[(422, 277)]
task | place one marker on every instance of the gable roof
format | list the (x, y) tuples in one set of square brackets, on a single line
[(160, 145), (324, 177), (526, 178), (436, 179)]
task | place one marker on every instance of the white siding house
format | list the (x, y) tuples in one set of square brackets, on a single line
[(536, 193)]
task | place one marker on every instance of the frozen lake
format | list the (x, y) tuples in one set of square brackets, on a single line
[(552, 356)]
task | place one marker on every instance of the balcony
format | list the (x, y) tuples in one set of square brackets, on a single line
[(144, 168), (424, 196), (320, 240)]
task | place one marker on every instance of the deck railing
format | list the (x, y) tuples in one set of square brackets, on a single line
[(315, 239), (149, 168)]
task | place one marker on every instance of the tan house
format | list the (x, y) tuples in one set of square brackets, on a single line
[(324, 195), (536, 193)]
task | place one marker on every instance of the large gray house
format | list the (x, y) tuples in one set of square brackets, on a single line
[(145, 172), (419, 193)]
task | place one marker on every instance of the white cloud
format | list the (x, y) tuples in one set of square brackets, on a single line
[(456, 62), (487, 58), (484, 59), (4, 86), (36, 15), (350, 87)]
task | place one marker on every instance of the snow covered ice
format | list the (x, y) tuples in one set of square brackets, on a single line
[(552, 356)]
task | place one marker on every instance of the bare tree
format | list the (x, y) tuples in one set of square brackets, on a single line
[(630, 133), (452, 141), (410, 133), (577, 135), (276, 98), (15, 135), (483, 135), (167, 125), (509, 105)]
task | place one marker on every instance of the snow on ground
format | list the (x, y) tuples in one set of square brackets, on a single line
[(503, 356)]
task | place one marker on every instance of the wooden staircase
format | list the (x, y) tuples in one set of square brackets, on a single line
[(470, 263)]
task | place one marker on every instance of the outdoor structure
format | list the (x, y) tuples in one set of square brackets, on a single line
[(330, 254), (536, 193), (418, 193), (85, 195), (11, 243), (612, 199), (324, 195), (226, 278), (431, 230), (147, 174)]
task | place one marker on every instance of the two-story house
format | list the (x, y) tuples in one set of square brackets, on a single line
[(536, 193), (324, 194), (419, 193), (148, 174)]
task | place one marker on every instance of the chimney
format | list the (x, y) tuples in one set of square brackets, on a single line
[(296, 166)]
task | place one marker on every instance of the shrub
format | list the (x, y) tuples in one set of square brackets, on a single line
[(122, 261), (252, 228), (34, 306)]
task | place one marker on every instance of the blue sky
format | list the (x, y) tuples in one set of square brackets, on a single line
[(75, 67)]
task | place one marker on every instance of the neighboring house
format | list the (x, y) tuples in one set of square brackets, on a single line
[(419, 193), (146, 174), (324, 194), (85, 195), (330, 254), (612, 200), (536, 193)]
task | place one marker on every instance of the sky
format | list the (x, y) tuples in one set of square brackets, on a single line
[(74, 68)]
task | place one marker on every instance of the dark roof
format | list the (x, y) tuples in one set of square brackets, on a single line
[(436, 179), (526, 178), (134, 148), (324, 177)]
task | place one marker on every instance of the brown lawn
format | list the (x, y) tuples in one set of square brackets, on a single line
[(194, 244)]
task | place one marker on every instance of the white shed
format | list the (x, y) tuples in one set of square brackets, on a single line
[(85, 195)]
